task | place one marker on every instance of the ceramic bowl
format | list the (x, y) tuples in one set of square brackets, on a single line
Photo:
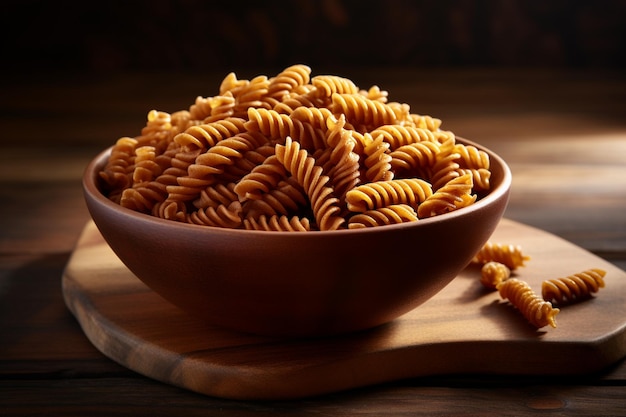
[(298, 284)]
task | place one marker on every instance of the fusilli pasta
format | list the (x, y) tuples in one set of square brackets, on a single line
[(538, 312), (510, 255), (294, 152), (573, 288)]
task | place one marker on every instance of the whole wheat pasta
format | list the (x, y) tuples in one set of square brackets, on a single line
[(538, 312), (411, 191), (294, 152), (392, 214), (277, 223), (493, 273), (327, 85), (510, 255), (377, 159), (453, 195), (573, 288)]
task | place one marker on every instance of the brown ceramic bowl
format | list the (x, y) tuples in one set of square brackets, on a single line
[(298, 284)]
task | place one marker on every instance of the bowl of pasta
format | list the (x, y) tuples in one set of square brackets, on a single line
[(296, 205)]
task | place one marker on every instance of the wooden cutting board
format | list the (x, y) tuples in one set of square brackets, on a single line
[(463, 329)]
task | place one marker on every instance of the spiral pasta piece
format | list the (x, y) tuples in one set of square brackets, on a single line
[(277, 223), (230, 84), (287, 80), (375, 93), (201, 108), (221, 107), (425, 122), (292, 103), (360, 110), (471, 157), (117, 173), (278, 126), (377, 160), (415, 159), (538, 312), (480, 178), (219, 194), (157, 131), (446, 167), (400, 135), (510, 255), (452, 196), (342, 166), (393, 214), (315, 116), (261, 179), (220, 216), (252, 94), (207, 135), (493, 273), (327, 85), (144, 192), (573, 288), (373, 195), (324, 204)]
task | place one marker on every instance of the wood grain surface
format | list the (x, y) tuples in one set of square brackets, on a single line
[(464, 329)]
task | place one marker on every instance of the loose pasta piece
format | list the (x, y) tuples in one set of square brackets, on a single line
[(493, 273), (573, 288), (538, 312), (393, 214), (510, 255)]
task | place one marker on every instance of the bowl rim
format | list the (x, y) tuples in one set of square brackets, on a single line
[(90, 188)]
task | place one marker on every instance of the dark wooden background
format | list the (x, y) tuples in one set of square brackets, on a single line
[(103, 37)]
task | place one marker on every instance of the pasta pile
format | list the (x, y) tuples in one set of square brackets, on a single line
[(294, 153), (497, 262)]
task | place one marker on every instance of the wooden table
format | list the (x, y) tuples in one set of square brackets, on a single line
[(562, 132)]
